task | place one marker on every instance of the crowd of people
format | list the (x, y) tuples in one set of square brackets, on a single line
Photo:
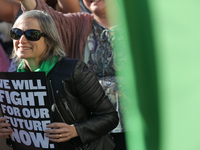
[(78, 33)]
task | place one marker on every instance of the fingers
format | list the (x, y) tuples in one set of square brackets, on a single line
[(2, 119), (2, 123), (57, 125), (59, 137), (60, 132), (4, 131), (57, 130)]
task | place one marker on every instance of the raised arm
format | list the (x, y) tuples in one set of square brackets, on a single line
[(28, 4), (64, 6), (8, 10), (67, 6)]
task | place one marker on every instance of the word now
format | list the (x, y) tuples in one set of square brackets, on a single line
[(31, 138)]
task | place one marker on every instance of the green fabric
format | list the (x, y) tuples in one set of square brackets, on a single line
[(141, 116), (176, 35), (162, 74), (46, 66)]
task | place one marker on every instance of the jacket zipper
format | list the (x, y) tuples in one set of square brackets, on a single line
[(55, 102), (66, 105)]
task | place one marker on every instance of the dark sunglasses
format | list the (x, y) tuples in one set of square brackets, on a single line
[(31, 34)]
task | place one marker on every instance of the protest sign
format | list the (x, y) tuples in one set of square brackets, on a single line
[(24, 102)]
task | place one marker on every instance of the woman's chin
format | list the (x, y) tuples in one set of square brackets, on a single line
[(22, 56)]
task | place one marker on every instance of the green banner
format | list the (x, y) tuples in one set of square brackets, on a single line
[(161, 74)]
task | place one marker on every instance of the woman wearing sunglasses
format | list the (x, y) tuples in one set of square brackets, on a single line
[(90, 115)]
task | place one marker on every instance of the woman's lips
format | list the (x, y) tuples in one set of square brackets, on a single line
[(23, 48)]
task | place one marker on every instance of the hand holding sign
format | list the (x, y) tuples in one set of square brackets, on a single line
[(4, 131), (25, 108), (60, 132)]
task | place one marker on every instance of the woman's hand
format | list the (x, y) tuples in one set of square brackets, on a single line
[(60, 132), (4, 131)]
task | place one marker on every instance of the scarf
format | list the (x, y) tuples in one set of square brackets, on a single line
[(46, 66)]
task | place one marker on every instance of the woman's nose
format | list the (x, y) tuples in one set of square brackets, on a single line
[(22, 39)]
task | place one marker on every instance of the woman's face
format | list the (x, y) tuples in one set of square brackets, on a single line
[(95, 6), (32, 51)]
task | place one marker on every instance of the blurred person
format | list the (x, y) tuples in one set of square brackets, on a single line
[(89, 37), (9, 9), (38, 48), (5, 40), (4, 60), (83, 8), (6, 47)]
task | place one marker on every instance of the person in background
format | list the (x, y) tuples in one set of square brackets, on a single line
[(5, 40), (4, 67), (83, 8), (38, 47), (9, 9), (90, 37), (6, 46), (4, 60)]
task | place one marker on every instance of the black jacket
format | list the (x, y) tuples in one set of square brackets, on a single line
[(80, 100)]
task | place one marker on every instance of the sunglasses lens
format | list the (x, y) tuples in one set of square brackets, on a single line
[(33, 35), (16, 34)]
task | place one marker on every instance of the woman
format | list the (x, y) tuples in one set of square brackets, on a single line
[(90, 37), (81, 111)]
